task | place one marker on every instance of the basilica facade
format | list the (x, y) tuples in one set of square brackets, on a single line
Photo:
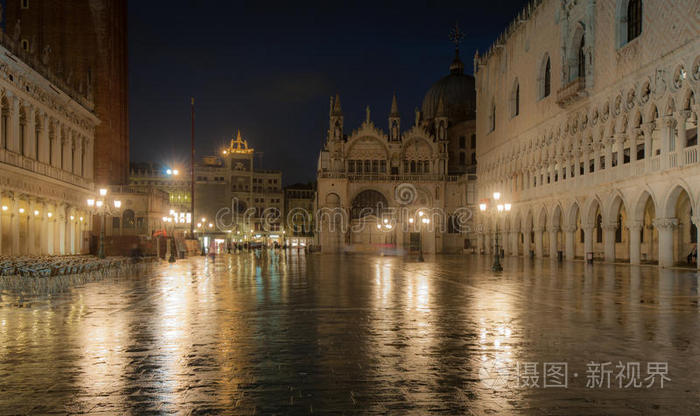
[(587, 122), (405, 189)]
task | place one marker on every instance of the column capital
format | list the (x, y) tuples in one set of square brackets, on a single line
[(553, 228), (648, 127), (634, 225), (587, 226), (665, 223), (669, 121), (610, 227), (569, 229), (682, 115)]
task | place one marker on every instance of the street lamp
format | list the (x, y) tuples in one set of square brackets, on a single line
[(497, 209), (171, 240), (419, 222), (100, 206)]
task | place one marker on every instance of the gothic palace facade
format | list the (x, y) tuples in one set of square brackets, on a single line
[(587, 121)]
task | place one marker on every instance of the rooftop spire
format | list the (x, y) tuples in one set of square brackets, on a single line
[(456, 36), (394, 107), (440, 112), (336, 105)]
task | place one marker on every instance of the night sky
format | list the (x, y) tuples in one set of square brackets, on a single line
[(269, 70)]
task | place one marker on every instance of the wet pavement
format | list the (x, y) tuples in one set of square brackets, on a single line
[(355, 334)]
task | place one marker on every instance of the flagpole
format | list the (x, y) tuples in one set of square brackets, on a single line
[(192, 176)]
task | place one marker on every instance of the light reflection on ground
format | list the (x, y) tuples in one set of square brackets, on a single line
[(290, 334)]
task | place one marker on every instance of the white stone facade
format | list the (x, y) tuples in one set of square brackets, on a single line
[(46, 163), (604, 159)]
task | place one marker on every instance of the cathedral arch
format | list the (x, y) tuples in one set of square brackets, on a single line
[(669, 205), (368, 202)]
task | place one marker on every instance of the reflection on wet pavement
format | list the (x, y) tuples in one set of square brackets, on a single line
[(290, 334)]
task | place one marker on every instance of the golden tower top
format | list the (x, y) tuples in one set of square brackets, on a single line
[(239, 145)]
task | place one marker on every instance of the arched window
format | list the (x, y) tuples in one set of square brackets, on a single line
[(547, 79), (582, 58), (128, 220), (492, 117), (369, 202), (634, 19), (599, 229)]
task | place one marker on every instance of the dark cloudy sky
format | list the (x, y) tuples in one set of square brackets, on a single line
[(269, 69)]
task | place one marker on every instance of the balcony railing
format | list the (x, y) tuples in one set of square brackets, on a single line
[(572, 92), (635, 169), (41, 168)]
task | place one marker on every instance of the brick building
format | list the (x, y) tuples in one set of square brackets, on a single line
[(85, 43)]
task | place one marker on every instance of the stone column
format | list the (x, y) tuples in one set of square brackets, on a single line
[(479, 242), (667, 137), (587, 239), (635, 227), (609, 143), (648, 130), (633, 138), (681, 118), (44, 140), (56, 146), (89, 158), (609, 241), (538, 242), (665, 227), (553, 243), (526, 243), (514, 243), (66, 146), (70, 221), (30, 135), (61, 223), (696, 221), (31, 231), (13, 128), (569, 235), (14, 228), (44, 229)]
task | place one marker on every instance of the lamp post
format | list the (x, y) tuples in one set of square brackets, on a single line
[(171, 240), (419, 222), (496, 209), (101, 205)]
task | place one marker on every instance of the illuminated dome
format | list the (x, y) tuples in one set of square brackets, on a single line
[(457, 93)]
